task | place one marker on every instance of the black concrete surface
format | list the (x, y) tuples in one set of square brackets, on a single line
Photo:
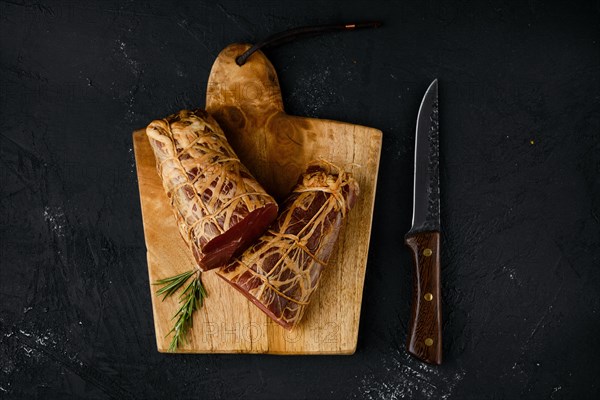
[(520, 126)]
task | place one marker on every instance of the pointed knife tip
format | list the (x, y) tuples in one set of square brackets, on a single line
[(433, 87)]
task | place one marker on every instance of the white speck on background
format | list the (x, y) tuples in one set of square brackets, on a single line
[(313, 92), (8, 366), (135, 70), (179, 71), (412, 379), (28, 351), (512, 273), (35, 349), (131, 62), (44, 339), (55, 216), (131, 160)]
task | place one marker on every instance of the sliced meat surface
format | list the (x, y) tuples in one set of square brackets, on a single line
[(281, 271), (219, 207)]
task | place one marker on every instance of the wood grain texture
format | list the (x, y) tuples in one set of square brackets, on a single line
[(276, 147), (425, 331)]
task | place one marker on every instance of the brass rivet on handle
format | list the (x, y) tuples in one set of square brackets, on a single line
[(427, 252), (429, 342), (428, 296)]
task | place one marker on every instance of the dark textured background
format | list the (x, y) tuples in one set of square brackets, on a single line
[(520, 126)]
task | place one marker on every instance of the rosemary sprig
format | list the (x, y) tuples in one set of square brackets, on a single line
[(191, 299)]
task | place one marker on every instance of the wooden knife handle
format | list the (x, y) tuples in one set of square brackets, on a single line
[(425, 331)]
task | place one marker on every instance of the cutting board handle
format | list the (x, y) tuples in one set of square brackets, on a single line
[(425, 331)]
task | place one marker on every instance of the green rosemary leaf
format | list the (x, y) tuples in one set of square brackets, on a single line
[(187, 289), (172, 284), (173, 278)]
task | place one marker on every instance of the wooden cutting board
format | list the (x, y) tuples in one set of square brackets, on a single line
[(276, 147)]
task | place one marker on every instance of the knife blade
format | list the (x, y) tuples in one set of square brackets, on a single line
[(424, 339)]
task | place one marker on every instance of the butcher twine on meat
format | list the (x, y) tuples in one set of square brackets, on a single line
[(220, 208), (281, 270)]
